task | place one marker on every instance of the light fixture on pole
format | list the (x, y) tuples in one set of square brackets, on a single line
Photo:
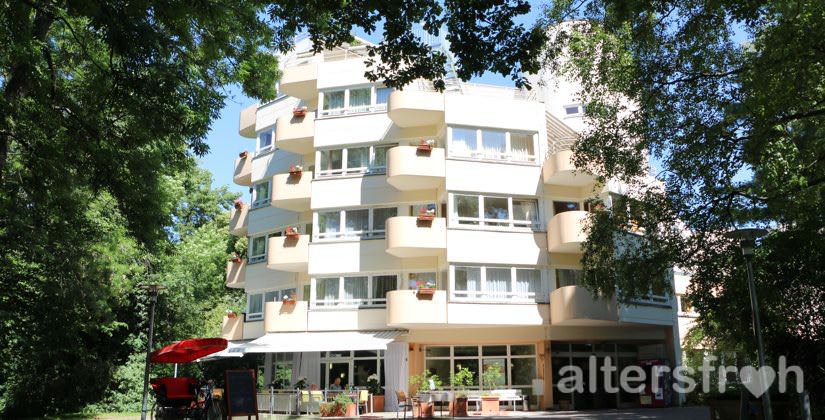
[(152, 290), (747, 241)]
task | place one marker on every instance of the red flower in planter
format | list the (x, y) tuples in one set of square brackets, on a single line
[(238, 204), (299, 111), (243, 154), (292, 232)]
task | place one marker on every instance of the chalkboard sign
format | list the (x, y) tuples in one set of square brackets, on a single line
[(241, 396)]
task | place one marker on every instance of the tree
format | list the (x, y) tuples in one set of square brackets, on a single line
[(735, 132)]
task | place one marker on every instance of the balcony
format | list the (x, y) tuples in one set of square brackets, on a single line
[(292, 191), (236, 274), (243, 170), (408, 237), (238, 220), (288, 253), (411, 169), (232, 328), (246, 126), (576, 306), (567, 231), (300, 81), (405, 309), (558, 169), (280, 317), (295, 134), (412, 108)]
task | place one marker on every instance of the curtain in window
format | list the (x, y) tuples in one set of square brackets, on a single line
[(521, 147), (264, 139), (334, 100), (331, 160), (463, 141), (326, 289), (495, 208), (380, 216), (258, 246), (360, 97), (525, 211), (467, 279), (382, 95), (329, 222), (528, 281), (493, 143), (380, 157), (357, 220), (383, 284), (261, 191), (355, 288), (256, 304), (358, 157), (498, 282)]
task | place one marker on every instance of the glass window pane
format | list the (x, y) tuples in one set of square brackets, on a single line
[(465, 351), (467, 279), (563, 206), (472, 366), (258, 246), (525, 210), (438, 351), (463, 142), (355, 288), (262, 191), (493, 143), (380, 216), (365, 353), (523, 350), (380, 160), (521, 147), (495, 208), (256, 304), (360, 97), (382, 95), (272, 296), (362, 369), (494, 350), (466, 206), (326, 289), (499, 363), (498, 282), (358, 157), (528, 282), (523, 370), (383, 284), (329, 222), (357, 220), (264, 139), (568, 277), (441, 368), (331, 160), (418, 280), (334, 100)]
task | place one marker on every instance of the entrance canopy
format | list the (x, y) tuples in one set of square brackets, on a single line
[(321, 341)]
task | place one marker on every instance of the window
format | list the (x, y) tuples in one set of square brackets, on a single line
[(568, 277), (563, 206), (418, 280), (256, 302), (260, 195), (573, 110), (353, 290), (517, 363), (354, 100), (265, 140), (496, 283), (357, 223), (492, 144), (257, 249), (684, 304), (505, 212), (353, 160)]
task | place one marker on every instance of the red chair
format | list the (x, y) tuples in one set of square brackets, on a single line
[(175, 391)]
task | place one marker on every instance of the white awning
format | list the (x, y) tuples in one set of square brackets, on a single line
[(233, 349), (321, 341)]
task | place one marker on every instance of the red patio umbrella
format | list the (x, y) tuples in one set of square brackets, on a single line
[(186, 351)]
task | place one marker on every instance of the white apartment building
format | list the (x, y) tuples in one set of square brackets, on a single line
[(364, 198)]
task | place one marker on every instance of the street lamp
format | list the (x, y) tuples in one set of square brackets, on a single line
[(153, 290), (747, 241)]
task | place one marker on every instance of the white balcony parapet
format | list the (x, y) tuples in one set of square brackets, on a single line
[(236, 273), (575, 305), (405, 308), (409, 237), (285, 316), (232, 328), (246, 125), (558, 169), (239, 220), (300, 81), (567, 231), (295, 134), (411, 108), (243, 170), (288, 253), (292, 191), (414, 168)]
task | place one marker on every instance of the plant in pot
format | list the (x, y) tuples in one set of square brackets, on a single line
[(490, 379), (427, 289), (374, 387), (341, 406), (421, 383), (460, 381)]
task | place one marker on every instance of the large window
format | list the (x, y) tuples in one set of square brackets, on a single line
[(479, 210), (256, 302), (490, 144), (516, 362), (354, 100), (568, 277), (260, 195), (257, 249), (353, 367), (352, 160), (496, 284), (265, 141), (353, 290), (354, 223)]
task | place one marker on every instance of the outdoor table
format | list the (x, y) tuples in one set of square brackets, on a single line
[(435, 396)]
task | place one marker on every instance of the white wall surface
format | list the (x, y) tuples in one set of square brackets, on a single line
[(351, 129), (362, 191), (493, 112), (496, 247), (341, 73), (258, 278), (494, 178)]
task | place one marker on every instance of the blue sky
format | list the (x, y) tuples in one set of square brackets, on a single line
[(225, 143)]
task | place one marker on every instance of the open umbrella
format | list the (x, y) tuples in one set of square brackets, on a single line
[(186, 351)]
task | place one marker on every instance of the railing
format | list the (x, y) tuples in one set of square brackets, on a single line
[(352, 234), (349, 303), (486, 296), (365, 170), (495, 156), (362, 109)]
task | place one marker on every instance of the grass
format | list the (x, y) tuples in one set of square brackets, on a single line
[(95, 415)]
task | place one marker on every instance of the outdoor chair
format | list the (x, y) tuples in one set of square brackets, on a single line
[(404, 403), (363, 400), (311, 402)]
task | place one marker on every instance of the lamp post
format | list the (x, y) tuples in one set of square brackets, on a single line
[(747, 241), (153, 290)]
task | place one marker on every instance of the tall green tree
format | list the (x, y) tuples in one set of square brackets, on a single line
[(727, 100)]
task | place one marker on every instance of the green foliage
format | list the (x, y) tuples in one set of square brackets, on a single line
[(374, 386), (461, 380), (492, 376), (421, 382)]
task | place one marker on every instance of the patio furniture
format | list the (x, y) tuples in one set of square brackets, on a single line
[(440, 397), (311, 401), (511, 396), (403, 403), (363, 399)]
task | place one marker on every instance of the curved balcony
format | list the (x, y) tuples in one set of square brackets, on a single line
[(246, 125), (232, 328), (412, 108), (567, 231), (410, 169), (286, 253), (406, 309), (292, 191), (575, 305), (295, 134), (300, 81), (280, 317), (243, 170), (236, 274), (409, 237), (239, 220), (558, 169)]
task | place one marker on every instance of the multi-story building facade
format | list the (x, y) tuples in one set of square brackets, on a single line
[(363, 198)]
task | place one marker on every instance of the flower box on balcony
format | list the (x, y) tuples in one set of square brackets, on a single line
[(299, 111), (425, 146), (426, 214), (231, 314), (238, 204), (236, 259), (292, 232), (426, 292), (296, 170), (243, 154)]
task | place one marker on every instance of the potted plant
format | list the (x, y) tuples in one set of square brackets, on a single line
[(236, 259), (289, 300), (292, 232), (243, 154), (425, 145), (422, 383), (238, 204), (231, 314), (374, 386), (490, 379), (426, 214), (296, 170), (299, 111), (426, 290), (460, 380), (301, 383)]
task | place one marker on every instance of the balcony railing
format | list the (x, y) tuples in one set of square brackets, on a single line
[(575, 305), (295, 134), (288, 253), (412, 108), (232, 328), (239, 220), (352, 110), (414, 168), (246, 125), (410, 236), (567, 231), (243, 170), (558, 169), (236, 273), (300, 81), (291, 191), (285, 317)]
